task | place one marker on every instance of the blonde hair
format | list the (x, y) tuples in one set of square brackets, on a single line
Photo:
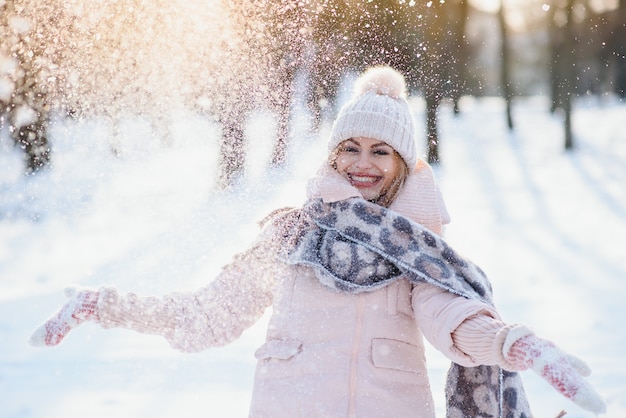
[(387, 196)]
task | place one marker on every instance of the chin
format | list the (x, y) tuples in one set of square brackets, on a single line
[(369, 194)]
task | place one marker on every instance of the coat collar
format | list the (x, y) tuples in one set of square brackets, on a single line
[(418, 200)]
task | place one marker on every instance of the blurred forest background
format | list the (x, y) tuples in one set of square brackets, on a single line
[(226, 59)]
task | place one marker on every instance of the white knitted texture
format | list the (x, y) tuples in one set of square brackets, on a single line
[(379, 116)]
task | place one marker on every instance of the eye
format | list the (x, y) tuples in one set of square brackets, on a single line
[(349, 148), (381, 151)]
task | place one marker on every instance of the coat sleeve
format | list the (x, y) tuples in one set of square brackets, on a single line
[(439, 315), (214, 315)]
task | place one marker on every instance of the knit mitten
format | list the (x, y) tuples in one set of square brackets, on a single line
[(524, 350), (82, 306)]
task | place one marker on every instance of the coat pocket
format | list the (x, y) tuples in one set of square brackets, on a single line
[(397, 355), (278, 349)]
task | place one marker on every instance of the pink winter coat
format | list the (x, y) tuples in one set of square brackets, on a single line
[(327, 354)]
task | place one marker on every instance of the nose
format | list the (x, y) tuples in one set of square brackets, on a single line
[(364, 160)]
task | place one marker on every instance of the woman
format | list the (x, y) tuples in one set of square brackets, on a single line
[(357, 278)]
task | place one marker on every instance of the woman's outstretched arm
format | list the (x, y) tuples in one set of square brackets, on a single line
[(213, 315)]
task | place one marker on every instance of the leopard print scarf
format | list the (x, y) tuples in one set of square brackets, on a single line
[(357, 246)]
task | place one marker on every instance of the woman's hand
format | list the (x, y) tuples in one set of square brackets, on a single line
[(563, 371), (82, 306)]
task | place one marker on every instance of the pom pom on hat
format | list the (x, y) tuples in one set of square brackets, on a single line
[(378, 110), (381, 80)]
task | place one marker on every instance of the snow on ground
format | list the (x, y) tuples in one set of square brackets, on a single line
[(548, 227)]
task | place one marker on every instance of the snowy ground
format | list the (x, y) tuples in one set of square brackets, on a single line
[(548, 227)]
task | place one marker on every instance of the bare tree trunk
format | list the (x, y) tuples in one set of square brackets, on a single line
[(283, 108), (232, 151), (568, 76), (33, 140), (567, 123), (556, 44), (432, 82), (27, 109), (617, 49), (279, 153), (505, 72), (562, 69), (462, 52), (432, 106)]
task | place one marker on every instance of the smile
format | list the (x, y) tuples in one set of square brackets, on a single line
[(363, 180)]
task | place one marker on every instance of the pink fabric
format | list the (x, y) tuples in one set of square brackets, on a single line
[(331, 354), (419, 199), (330, 186), (483, 336)]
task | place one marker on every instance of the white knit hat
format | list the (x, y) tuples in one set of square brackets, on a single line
[(379, 110)]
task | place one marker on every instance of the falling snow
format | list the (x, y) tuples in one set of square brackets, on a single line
[(137, 91), (547, 227)]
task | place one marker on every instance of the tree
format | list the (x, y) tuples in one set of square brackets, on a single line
[(435, 58), (616, 48), (505, 72), (562, 66), (24, 103), (273, 37), (459, 12), (328, 57)]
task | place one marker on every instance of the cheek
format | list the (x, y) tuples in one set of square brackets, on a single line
[(390, 167), (390, 173), (343, 163)]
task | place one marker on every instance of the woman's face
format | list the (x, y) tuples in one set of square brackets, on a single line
[(368, 164)]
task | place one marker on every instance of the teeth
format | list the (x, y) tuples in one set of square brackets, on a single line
[(362, 179)]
